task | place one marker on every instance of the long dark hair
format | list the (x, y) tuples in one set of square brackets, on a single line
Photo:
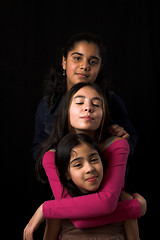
[(62, 127), (55, 81), (63, 155)]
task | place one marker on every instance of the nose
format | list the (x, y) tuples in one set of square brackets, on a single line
[(88, 108), (85, 65), (89, 168)]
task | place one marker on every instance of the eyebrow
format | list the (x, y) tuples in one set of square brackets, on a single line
[(81, 54), (81, 158), (76, 159), (81, 96)]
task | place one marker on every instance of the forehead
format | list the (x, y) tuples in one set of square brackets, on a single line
[(87, 91), (87, 49), (83, 149)]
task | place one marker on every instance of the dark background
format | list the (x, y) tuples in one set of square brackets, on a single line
[(32, 35)]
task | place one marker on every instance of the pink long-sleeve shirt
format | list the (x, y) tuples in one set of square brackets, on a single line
[(98, 208)]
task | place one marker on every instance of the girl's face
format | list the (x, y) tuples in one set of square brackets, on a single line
[(85, 113), (85, 168), (83, 63)]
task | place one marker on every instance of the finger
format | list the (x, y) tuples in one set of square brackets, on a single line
[(125, 136), (27, 234), (113, 131), (24, 233), (122, 133), (112, 128), (119, 132)]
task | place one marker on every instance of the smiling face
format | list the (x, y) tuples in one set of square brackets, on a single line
[(85, 113), (83, 63), (85, 168)]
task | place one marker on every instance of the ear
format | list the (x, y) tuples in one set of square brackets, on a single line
[(64, 62)]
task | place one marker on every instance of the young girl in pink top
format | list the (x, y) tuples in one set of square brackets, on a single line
[(84, 111), (82, 174)]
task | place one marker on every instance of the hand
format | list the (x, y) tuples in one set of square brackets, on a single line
[(142, 202), (116, 130), (33, 224), (125, 196)]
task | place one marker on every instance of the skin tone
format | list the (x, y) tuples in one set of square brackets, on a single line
[(86, 111), (80, 66), (86, 171), (85, 168), (83, 63)]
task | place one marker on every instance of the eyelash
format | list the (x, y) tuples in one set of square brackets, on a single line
[(94, 160), (95, 105), (77, 58), (78, 165), (91, 62)]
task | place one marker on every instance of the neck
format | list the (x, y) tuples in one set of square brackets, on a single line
[(69, 86), (91, 134)]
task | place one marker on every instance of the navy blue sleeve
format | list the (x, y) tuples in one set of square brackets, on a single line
[(119, 115), (40, 134)]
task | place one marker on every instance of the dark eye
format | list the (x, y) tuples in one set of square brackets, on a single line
[(94, 160), (93, 62), (78, 165), (77, 58)]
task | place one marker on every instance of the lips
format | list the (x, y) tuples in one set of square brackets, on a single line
[(91, 179), (82, 75), (87, 118)]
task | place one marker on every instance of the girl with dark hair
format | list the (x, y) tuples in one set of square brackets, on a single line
[(84, 110), (83, 60), (82, 173)]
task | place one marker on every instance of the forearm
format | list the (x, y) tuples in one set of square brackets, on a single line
[(131, 229), (125, 210), (52, 229)]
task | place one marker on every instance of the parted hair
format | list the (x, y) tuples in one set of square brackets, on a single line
[(62, 125)]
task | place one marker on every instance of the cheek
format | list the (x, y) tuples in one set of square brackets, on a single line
[(75, 176), (74, 113), (70, 68), (100, 171), (94, 74), (99, 116)]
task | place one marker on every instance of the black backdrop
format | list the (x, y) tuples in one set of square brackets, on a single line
[(32, 35)]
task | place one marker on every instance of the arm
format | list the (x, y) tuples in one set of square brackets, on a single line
[(129, 209), (124, 212), (131, 225), (52, 229), (84, 206)]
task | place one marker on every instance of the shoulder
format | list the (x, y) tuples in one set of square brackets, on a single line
[(49, 157), (115, 142), (42, 106), (43, 102)]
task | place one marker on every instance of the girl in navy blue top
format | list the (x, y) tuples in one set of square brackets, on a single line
[(82, 61)]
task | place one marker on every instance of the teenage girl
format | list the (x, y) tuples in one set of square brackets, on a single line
[(83, 60), (84, 111)]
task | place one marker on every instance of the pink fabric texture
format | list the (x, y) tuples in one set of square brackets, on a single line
[(98, 208)]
